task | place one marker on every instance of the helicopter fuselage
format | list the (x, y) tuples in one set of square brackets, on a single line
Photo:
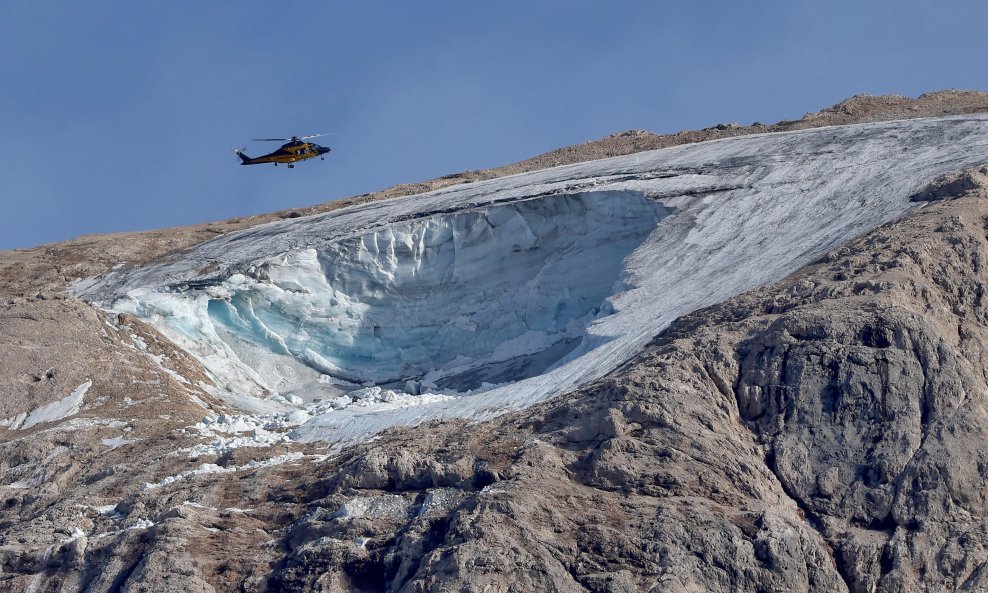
[(290, 153)]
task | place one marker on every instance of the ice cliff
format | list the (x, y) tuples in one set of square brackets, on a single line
[(516, 289)]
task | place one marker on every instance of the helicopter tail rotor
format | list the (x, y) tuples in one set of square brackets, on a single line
[(244, 159)]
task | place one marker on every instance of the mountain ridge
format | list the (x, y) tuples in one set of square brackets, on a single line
[(824, 432), (87, 251)]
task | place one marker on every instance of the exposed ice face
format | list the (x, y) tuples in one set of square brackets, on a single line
[(490, 294)]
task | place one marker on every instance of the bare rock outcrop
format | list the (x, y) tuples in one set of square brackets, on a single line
[(827, 433)]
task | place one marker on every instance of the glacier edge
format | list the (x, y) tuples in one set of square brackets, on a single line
[(735, 214)]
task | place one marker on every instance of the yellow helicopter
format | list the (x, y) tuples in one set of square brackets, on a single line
[(295, 150)]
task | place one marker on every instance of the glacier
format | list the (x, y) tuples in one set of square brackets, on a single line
[(440, 296), (502, 293)]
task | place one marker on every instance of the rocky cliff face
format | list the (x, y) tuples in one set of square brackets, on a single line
[(824, 433)]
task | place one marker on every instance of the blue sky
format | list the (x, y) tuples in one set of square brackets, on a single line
[(120, 116)]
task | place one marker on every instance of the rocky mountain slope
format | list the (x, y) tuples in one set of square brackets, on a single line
[(825, 433)]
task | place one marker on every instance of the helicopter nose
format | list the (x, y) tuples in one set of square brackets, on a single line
[(324, 150)]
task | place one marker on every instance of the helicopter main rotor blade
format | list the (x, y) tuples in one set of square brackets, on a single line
[(292, 138)]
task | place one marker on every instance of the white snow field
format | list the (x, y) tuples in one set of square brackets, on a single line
[(492, 296)]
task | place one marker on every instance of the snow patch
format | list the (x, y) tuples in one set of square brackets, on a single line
[(205, 468), (212, 468), (63, 408), (117, 442)]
